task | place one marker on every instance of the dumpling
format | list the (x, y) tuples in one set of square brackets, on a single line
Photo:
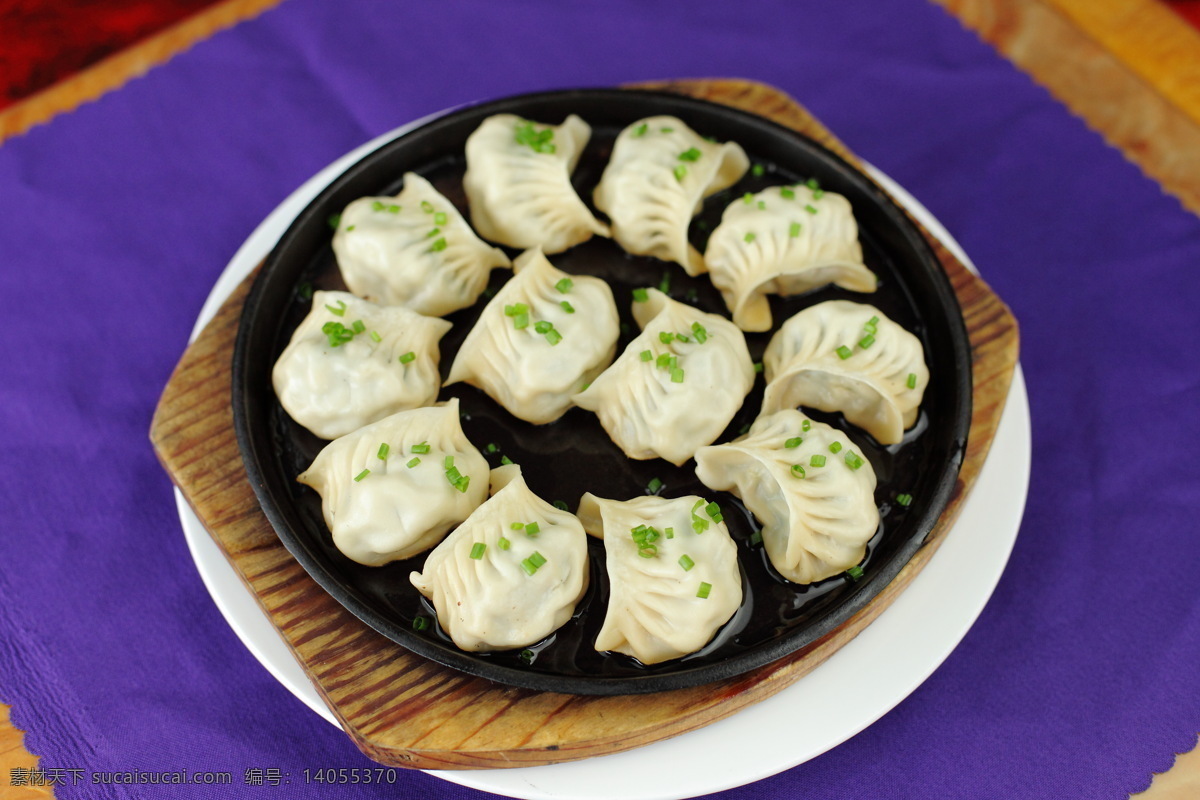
[(672, 570), (413, 250), (541, 338), (809, 486), (784, 240), (518, 183), (676, 386), (848, 357), (656, 181), (392, 489), (511, 574), (351, 362)]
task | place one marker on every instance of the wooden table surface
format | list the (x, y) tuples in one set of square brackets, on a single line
[(1130, 69)]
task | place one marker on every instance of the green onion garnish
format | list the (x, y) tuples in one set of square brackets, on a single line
[(748, 198), (699, 523), (794, 230), (362, 475), (384, 449), (420, 623), (427, 206), (553, 336), (699, 332), (527, 655), (680, 172), (855, 573), (749, 237), (516, 308), (640, 130), (305, 291), (648, 551), (564, 285), (714, 511), (666, 130), (703, 591), (640, 295), (503, 543), (646, 355), (412, 462), (393, 209), (762, 205), (505, 460), (676, 375), (448, 462), (349, 228), (358, 326), (691, 154), (663, 361), (529, 566), (542, 326), (421, 448), (377, 206), (682, 337), (375, 337), (812, 183), (758, 366), (438, 246), (686, 562), (787, 194), (836, 447), (340, 311), (795, 441), (440, 218), (532, 529), (520, 321), (491, 447), (805, 426), (517, 526), (664, 285), (873, 321), (537, 559), (810, 209), (866, 341), (756, 538), (539, 141), (560, 505), (337, 333), (433, 233), (477, 550), (334, 220), (654, 486), (852, 460), (818, 194), (666, 337), (844, 352), (904, 500), (817, 461), (408, 357), (797, 471), (757, 170), (669, 533), (912, 380)]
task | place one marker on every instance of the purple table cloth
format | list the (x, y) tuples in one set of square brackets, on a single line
[(1079, 679)]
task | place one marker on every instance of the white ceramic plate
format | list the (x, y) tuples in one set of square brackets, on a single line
[(848, 692)]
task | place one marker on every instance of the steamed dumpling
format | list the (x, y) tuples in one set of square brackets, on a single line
[(392, 489), (848, 357), (518, 183), (413, 250), (817, 517), (673, 574), (784, 240), (541, 338), (656, 181), (511, 574), (676, 386), (333, 378)]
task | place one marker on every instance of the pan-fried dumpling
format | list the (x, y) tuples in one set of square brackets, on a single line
[(656, 181), (511, 574), (542, 337), (676, 386), (784, 240), (413, 250), (392, 489), (848, 357), (518, 183), (672, 570), (809, 486), (351, 362)]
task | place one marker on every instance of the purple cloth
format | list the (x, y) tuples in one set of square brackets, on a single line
[(1079, 679)]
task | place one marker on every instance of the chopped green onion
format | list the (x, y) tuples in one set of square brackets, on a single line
[(334, 220), (529, 566), (836, 447), (762, 205), (408, 357), (787, 194), (412, 462), (421, 448), (384, 449), (757, 170), (375, 337), (537, 559), (748, 198), (646, 355), (855, 573), (491, 447), (699, 332), (912, 380), (440, 218), (560, 505), (542, 326), (866, 341), (520, 321), (664, 285), (805, 425), (448, 462), (516, 308), (503, 543), (394, 209), (758, 366), (505, 460), (703, 591), (517, 526), (340, 311), (795, 441), (749, 237), (358, 326), (564, 285), (817, 461), (669, 533), (362, 475), (714, 511), (349, 228), (532, 529), (812, 183), (666, 337), (797, 471), (904, 500), (794, 230), (810, 209), (818, 194), (433, 233), (648, 551), (680, 172), (640, 130), (305, 291), (699, 523), (377, 206), (477, 550), (438, 246), (420, 623), (553, 336), (756, 538), (663, 361), (538, 141), (873, 321), (667, 130), (676, 375), (691, 154), (686, 562), (844, 352), (427, 206), (654, 486), (337, 333), (682, 337), (852, 460)]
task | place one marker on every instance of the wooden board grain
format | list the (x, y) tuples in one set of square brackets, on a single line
[(403, 710)]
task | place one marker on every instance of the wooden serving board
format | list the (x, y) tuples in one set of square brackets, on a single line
[(404, 710)]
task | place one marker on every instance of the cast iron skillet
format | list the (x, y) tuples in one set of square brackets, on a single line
[(573, 455)]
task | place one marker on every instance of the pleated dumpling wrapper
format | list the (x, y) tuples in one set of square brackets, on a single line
[(393, 489), (672, 571), (511, 574), (676, 386), (351, 362), (518, 183), (848, 357), (784, 240), (413, 250), (809, 486), (539, 340), (656, 181)]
